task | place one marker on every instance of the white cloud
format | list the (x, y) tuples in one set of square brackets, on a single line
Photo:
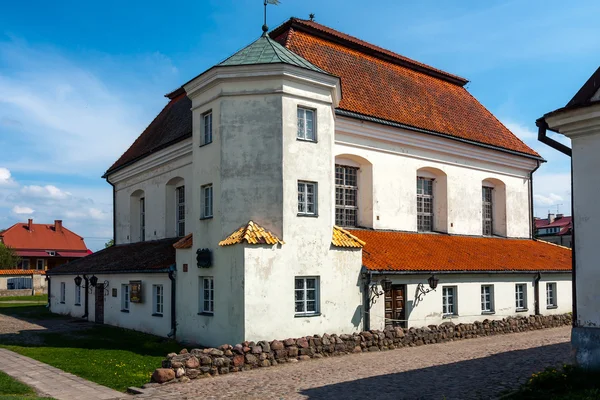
[(48, 191), (6, 177), (22, 210)]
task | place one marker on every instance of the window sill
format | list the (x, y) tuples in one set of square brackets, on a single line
[(521, 310), (306, 140), (157, 315), (62, 302), (207, 314), (78, 305), (205, 144), (308, 215), (488, 312), (307, 315), (551, 307), (126, 311), (203, 218), (450, 316)]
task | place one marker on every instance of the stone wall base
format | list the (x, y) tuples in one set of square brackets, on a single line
[(586, 347), (16, 292)]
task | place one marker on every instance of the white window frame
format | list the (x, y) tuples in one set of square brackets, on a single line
[(521, 296), (142, 219), (37, 264), (180, 211), (207, 200), (344, 190), (63, 294), (305, 126), (487, 299), (207, 295), (421, 200), (304, 197), (301, 296), (449, 308), (77, 295), (207, 128), (125, 299), (551, 299), (158, 296)]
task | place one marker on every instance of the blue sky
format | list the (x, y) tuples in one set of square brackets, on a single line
[(79, 80)]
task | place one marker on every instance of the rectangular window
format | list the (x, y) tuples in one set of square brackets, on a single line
[(521, 296), (157, 296), (488, 226), (307, 198), (124, 297), (449, 300), (346, 195), (306, 124), (207, 295), (487, 298), (142, 219), (207, 201), (306, 295), (77, 295), (180, 201), (25, 263), (62, 292), (551, 295), (207, 136), (424, 204), (40, 264)]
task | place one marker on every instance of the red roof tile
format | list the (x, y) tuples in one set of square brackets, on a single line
[(400, 251), (558, 222), (21, 272), (185, 242), (381, 84), (42, 237)]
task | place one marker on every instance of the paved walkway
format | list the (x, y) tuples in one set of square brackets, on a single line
[(50, 381), (470, 369)]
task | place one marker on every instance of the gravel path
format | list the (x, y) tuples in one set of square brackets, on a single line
[(469, 369)]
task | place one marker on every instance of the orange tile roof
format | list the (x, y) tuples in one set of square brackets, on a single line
[(42, 237), (21, 272), (400, 251), (384, 85), (252, 233), (343, 238), (184, 243)]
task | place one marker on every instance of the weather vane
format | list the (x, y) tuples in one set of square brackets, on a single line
[(265, 28)]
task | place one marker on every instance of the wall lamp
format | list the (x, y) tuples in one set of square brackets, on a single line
[(386, 285), (421, 291)]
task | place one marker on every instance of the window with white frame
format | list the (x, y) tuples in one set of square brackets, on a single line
[(306, 124), (207, 295), (307, 198), (180, 211), (424, 204), (551, 294), (487, 298), (208, 132), (346, 195), (487, 215), (207, 201), (449, 300), (306, 295), (142, 219), (125, 297), (157, 299), (77, 295), (62, 292), (521, 296), (40, 264)]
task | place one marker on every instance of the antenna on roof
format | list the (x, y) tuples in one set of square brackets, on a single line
[(265, 28), (311, 16)]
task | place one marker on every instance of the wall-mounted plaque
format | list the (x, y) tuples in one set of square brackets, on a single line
[(204, 258), (135, 291)]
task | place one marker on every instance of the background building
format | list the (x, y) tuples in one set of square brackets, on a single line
[(555, 229)]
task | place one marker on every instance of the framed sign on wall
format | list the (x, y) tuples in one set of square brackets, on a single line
[(135, 291)]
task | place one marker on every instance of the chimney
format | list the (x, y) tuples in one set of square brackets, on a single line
[(559, 216), (58, 225), (550, 218), (30, 224)]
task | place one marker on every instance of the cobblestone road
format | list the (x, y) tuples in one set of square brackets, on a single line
[(470, 369)]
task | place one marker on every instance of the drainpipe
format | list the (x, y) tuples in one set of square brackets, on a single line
[(48, 283), (531, 213), (85, 309), (536, 291), (172, 270), (542, 129), (368, 276), (114, 211)]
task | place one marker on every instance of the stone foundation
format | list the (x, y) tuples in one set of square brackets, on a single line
[(200, 363)]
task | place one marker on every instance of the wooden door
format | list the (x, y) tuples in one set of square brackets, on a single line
[(99, 303), (395, 314)]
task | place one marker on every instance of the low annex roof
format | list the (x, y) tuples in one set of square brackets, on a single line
[(343, 238), (401, 251), (21, 272), (24, 236), (251, 233)]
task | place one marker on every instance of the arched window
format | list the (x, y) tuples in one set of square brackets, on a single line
[(137, 216), (432, 200), (493, 207), (175, 207), (353, 191)]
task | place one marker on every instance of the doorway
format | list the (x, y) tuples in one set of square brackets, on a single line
[(395, 310), (99, 314)]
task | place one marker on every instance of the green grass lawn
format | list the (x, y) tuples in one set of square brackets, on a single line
[(36, 298), (28, 311), (12, 389), (113, 357), (568, 383)]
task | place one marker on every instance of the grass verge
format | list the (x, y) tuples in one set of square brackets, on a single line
[(12, 389), (28, 311), (37, 298)]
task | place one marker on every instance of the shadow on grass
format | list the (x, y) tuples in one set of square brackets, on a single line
[(481, 378)]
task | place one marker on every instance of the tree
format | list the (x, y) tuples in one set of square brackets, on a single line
[(111, 242), (8, 257)]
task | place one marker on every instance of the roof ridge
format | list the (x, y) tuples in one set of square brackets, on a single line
[(553, 244)]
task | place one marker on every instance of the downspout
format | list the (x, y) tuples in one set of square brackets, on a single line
[(366, 302), (542, 129), (173, 333), (536, 291), (85, 309), (114, 210), (49, 284), (531, 212)]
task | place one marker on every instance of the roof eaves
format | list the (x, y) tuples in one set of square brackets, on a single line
[(108, 272)]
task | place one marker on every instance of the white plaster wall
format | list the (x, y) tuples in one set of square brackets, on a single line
[(69, 307), (429, 310)]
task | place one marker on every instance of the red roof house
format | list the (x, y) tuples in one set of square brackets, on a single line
[(44, 246)]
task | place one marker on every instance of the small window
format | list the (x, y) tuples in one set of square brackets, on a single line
[(551, 295), (142, 219), (25, 263), (124, 297), (180, 211), (77, 295), (306, 124), (449, 300), (41, 263), (346, 195), (307, 295), (157, 296), (307, 198), (207, 295), (62, 293), (207, 134), (207, 201), (487, 298), (487, 199), (521, 296), (424, 204)]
